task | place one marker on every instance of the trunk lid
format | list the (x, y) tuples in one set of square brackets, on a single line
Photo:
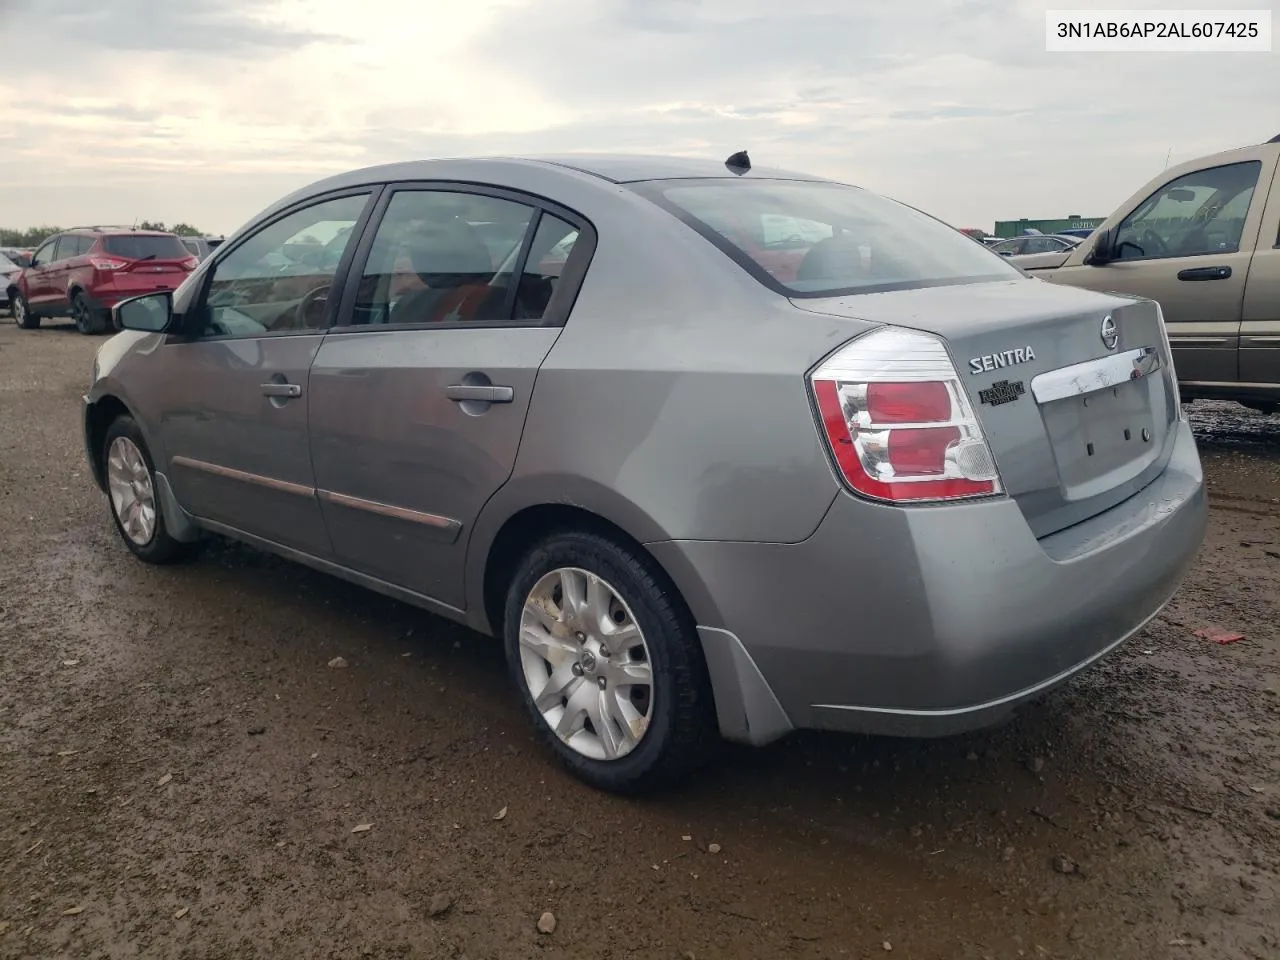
[(1075, 423)]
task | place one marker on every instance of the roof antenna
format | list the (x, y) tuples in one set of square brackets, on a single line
[(739, 163)]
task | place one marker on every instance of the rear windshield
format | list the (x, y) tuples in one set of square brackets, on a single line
[(824, 239), (136, 247)]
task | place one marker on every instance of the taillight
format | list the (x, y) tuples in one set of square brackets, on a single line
[(190, 263), (899, 423), (105, 263)]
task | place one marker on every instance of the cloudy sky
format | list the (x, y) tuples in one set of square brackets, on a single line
[(207, 110)]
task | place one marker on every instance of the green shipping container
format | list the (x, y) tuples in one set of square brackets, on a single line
[(1016, 228)]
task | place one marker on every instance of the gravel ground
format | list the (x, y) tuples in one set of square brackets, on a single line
[(183, 775)]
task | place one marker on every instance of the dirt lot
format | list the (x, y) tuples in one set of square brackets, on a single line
[(181, 772)]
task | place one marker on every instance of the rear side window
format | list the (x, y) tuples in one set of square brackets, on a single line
[(141, 247), (73, 245), (824, 239), (446, 257)]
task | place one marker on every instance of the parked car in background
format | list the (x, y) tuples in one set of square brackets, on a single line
[(724, 442), (1080, 232), (201, 247), (82, 273), (1203, 239), (1036, 252), (18, 255), (1035, 243), (8, 277)]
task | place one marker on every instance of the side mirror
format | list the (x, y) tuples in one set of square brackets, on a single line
[(1102, 252), (150, 313)]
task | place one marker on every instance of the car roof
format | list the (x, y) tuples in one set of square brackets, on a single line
[(631, 168), (117, 231), (610, 167)]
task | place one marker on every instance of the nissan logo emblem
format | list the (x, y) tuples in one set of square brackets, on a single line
[(1110, 334)]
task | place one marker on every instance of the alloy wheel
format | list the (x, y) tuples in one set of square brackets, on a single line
[(132, 492), (585, 664), (80, 314)]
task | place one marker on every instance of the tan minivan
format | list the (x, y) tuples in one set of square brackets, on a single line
[(1202, 239)]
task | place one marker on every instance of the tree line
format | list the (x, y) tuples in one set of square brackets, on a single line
[(33, 236)]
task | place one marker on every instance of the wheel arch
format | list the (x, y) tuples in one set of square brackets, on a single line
[(525, 527), (98, 417)]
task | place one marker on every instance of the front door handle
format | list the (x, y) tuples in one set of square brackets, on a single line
[(1205, 273), (483, 393), (281, 390)]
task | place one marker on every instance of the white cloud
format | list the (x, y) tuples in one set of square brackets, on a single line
[(207, 110)]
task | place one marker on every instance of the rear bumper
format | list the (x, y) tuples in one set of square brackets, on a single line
[(107, 295), (931, 620)]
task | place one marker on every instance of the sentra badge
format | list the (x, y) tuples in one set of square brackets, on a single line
[(1009, 358)]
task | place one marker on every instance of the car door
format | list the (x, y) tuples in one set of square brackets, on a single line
[(58, 277), (38, 282), (1188, 245), (1260, 325), (419, 396), (233, 408)]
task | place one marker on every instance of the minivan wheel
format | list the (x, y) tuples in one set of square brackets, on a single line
[(22, 314), (131, 488), (88, 320), (608, 664)]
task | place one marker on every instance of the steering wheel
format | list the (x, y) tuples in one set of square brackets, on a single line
[(1152, 245), (310, 312)]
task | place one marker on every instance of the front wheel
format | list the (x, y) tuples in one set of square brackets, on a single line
[(131, 488), (608, 664), (22, 314)]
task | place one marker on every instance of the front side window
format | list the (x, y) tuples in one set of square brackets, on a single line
[(1199, 213), (824, 239), (447, 257), (45, 255), (278, 279)]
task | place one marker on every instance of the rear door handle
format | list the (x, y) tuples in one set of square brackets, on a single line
[(281, 390), (1205, 273), (484, 393)]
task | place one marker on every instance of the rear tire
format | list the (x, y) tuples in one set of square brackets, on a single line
[(132, 493), (22, 314), (645, 681), (88, 320)]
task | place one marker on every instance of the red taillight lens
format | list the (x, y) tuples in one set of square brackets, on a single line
[(190, 263), (908, 402), (105, 263), (921, 452), (899, 423)]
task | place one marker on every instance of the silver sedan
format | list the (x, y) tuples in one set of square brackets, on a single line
[(716, 451)]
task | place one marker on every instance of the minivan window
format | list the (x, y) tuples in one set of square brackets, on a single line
[(142, 247), (822, 239), (1198, 213)]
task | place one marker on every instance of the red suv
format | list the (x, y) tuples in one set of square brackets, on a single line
[(83, 273)]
